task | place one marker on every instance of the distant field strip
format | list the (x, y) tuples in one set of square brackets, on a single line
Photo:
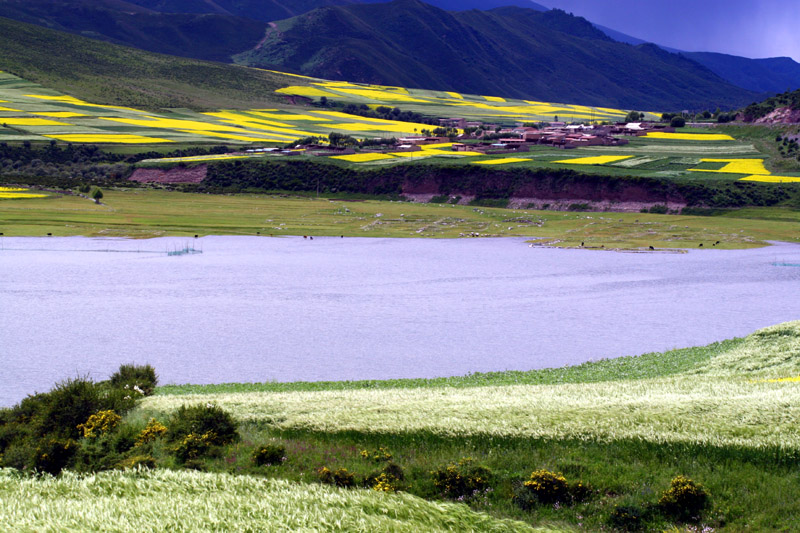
[(503, 161), (596, 160), (725, 401), (166, 500), (772, 179), (689, 136)]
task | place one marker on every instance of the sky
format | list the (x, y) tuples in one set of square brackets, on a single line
[(749, 28)]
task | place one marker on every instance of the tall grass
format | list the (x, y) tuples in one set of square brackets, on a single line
[(167, 500), (727, 399)]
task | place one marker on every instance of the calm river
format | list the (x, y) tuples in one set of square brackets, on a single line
[(286, 309)]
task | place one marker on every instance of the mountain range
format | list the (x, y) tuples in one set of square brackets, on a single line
[(513, 48)]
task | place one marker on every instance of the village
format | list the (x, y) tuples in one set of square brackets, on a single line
[(490, 139)]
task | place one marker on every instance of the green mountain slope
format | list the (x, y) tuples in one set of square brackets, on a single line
[(109, 74), (202, 36), (509, 51)]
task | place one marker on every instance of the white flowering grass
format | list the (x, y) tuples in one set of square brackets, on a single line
[(165, 500), (727, 400)]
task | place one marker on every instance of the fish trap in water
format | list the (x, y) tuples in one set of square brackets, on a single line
[(186, 250)]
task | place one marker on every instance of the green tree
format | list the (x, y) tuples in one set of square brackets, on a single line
[(97, 194), (677, 122)]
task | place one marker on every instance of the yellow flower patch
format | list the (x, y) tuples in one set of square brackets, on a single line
[(284, 116), (504, 161), (380, 96), (597, 160), (362, 158), (110, 138), (305, 91), (494, 99), (457, 96), (689, 136), (75, 101), (9, 109), (736, 166), (436, 146), (11, 189), (233, 137), (772, 179), (17, 195), (198, 158), (785, 380), (15, 121), (60, 114)]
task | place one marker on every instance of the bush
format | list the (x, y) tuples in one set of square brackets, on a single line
[(68, 405), (387, 479), (377, 456), (627, 517), (194, 446), (269, 454), (153, 431), (212, 422), (142, 377), (462, 479), (52, 455), (547, 486), (99, 423), (339, 478), (684, 500)]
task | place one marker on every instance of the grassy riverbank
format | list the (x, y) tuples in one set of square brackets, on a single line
[(618, 430), (144, 213)]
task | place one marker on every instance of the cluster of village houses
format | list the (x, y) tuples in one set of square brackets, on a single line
[(518, 139)]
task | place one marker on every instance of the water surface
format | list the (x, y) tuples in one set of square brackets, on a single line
[(286, 309)]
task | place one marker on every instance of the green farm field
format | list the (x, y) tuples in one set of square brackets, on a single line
[(146, 213)]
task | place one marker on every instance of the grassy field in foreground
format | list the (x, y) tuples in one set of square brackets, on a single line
[(191, 501), (723, 414), (142, 213)]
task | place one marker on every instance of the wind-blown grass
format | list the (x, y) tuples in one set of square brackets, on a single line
[(722, 401), (166, 500)]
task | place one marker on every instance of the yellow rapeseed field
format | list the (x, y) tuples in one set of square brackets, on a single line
[(736, 166), (311, 92), (109, 138), (689, 136), (494, 99), (596, 160), (772, 179), (18, 195), (362, 158), (454, 95), (504, 161)]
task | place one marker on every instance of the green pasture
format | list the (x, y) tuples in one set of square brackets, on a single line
[(145, 213)]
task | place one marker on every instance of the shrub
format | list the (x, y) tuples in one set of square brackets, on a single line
[(52, 455), (339, 478), (193, 446), (269, 454), (627, 517), (154, 430), (99, 423), (462, 479), (547, 486), (684, 499), (210, 420), (68, 405), (388, 479), (378, 456), (142, 377)]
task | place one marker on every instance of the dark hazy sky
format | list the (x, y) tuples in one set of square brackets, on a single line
[(749, 28)]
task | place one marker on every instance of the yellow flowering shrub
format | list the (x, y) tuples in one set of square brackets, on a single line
[(548, 487), (462, 479), (684, 499), (151, 432), (378, 456), (99, 423)]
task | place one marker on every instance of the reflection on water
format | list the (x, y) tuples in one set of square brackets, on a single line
[(260, 309)]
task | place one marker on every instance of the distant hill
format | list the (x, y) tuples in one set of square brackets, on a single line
[(507, 51), (772, 75), (109, 74), (202, 36)]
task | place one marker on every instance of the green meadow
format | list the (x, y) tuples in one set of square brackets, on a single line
[(146, 213)]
